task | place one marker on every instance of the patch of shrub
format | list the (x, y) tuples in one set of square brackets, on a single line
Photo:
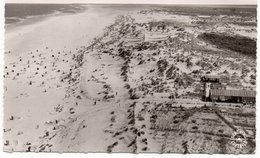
[(238, 44)]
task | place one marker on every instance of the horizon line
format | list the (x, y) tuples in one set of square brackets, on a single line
[(138, 3)]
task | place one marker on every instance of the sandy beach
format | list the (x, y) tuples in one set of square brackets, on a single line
[(40, 55)]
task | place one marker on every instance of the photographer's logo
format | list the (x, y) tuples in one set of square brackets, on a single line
[(238, 139)]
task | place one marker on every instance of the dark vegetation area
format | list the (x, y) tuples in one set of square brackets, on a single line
[(238, 44), (245, 23), (249, 10)]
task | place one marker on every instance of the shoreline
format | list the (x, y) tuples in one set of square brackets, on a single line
[(52, 29), (33, 19), (14, 11)]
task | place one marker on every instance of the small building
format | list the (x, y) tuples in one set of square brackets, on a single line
[(155, 26), (161, 27), (210, 78), (234, 96)]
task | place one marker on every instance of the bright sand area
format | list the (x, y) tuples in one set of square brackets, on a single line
[(35, 100)]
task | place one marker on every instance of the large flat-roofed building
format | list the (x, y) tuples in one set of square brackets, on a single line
[(234, 96), (217, 92)]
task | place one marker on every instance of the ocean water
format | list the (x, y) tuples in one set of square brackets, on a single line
[(17, 12)]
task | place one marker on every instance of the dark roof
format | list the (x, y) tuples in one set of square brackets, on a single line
[(232, 93), (212, 76)]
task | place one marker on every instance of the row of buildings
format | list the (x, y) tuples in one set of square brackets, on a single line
[(214, 91)]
